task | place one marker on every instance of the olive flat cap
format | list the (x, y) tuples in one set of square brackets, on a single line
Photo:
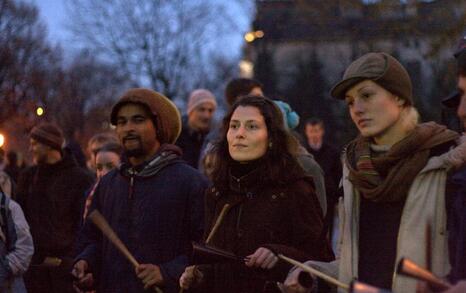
[(381, 68)]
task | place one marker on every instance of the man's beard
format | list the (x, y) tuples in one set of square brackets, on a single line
[(134, 152)]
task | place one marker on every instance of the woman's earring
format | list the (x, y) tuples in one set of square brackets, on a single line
[(270, 145)]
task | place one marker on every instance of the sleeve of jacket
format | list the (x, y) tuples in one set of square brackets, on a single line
[(90, 237), (172, 270), (85, 182), (21, 245)]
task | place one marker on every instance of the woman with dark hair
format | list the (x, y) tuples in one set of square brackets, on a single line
[(394, 181), (273, 206)]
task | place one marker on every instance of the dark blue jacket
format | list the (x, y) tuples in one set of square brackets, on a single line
[(457, 227), (191, 142), (157, 218)]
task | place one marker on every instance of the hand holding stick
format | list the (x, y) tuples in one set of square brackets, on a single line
[(214, 229), (97, 218)]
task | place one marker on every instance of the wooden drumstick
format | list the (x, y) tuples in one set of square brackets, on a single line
[(315, 272), (99, 220), (214, 229), (219, 221)]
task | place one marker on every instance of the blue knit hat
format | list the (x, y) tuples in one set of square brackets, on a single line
[(290, 117)]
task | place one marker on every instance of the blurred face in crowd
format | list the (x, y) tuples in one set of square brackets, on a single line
[(256, 91), (375, 111), (247, 134), (39, 151), (105, 161), (136, 132), (201, 117), (314, 133), (462, 106)]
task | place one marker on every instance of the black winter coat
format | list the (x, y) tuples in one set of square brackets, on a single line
[(286, 219), (52, 197)]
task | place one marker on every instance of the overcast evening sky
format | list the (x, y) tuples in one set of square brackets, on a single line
[(53, 14)]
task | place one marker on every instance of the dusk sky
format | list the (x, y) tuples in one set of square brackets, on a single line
[(53, 13)]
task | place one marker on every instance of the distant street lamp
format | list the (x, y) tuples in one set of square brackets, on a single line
[(246, 69), (40, 111), (251, 36), (2, 140)]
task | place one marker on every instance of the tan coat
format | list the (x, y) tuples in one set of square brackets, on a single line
[(426, 200)]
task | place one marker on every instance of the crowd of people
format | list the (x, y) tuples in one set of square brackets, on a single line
[(246, 193)]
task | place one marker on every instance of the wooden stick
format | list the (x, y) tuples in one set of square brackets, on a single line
[(214, 229), (219, 221), (315, 272), (99, 220)]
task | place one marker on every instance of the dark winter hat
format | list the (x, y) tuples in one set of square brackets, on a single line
[(461, 49), (380, 68), (48, 134), (452, 100), (167, 115)]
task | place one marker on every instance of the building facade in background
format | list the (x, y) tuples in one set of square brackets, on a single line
[(300, 48)]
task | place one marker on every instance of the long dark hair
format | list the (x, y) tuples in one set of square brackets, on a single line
[(279, 162)]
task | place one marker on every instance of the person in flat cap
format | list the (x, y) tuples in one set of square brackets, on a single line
[(154, 202), (51, 194), (394, 180), (196, 124)]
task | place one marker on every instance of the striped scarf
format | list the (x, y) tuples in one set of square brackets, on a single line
[(388, 177)]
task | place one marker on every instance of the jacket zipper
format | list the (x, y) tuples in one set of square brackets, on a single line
[(131, 183)]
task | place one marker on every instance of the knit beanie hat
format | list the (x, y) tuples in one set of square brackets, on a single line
[(381, 68), (290, 117), (198, 97), (48, 134), (166, 114)]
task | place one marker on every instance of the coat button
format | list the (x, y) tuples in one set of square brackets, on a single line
[(274, 196)]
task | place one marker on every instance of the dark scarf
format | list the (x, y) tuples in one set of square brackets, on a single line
[(246, 177), (166, 155), (387, 178)]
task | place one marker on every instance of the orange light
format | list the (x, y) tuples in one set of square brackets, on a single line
[(2, 140), (259, 34)]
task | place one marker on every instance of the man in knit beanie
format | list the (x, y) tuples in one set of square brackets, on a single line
[(51, 196), (154, 202), (196, 124)]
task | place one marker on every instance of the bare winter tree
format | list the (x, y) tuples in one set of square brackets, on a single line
[(84, 85), (166, 45), (28, 64)]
